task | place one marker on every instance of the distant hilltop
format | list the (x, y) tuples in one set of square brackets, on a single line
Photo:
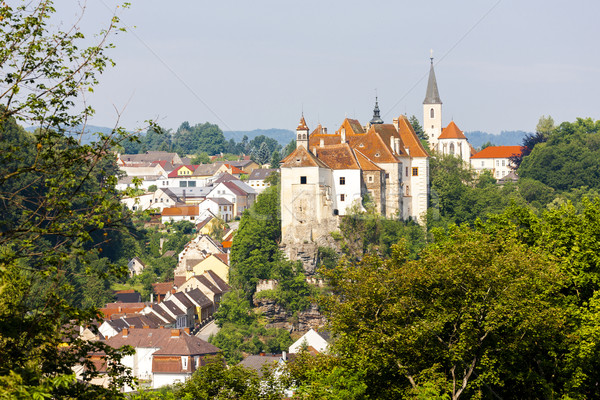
[(283, 136), (505, 138)]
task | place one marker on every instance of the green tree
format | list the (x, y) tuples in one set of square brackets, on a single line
[(414, 121), (59, 207), (255, 247), (475, 315), (570, 158), (217, 381)]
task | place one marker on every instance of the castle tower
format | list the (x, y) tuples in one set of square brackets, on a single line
[(302, 134), (432, 110)]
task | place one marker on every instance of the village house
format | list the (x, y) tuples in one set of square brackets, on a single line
[(135, 266), (256, 179), (210, 284), (241, 195), (313, 341), (218, 263), (162, 356), (496, 159)]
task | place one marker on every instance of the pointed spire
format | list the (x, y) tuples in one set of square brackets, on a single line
[(302, 125), (432, 96), (376, 118)]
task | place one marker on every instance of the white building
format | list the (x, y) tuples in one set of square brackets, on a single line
[(495, 159), (318, 341)]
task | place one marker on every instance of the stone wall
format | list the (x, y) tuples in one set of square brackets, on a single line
[(278, 317)]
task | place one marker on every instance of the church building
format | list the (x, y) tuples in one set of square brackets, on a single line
[(449, 140)]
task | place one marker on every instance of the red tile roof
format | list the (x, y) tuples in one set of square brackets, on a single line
[(223, 257), (302, 158), (499, 152), (302, 125), (173, 174), (337, 156), (183, 210), (163, 287), (452, 132), (410, 138)]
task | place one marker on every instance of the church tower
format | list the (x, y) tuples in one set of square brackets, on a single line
[(302, 134), (376, 117), (432, 110)]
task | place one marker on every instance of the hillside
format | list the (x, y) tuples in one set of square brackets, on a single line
[(283, 136), (505, 138), (88, 135)]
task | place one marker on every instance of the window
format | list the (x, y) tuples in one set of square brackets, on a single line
[(197, 358), (503, 163), (182, 184), (192, 184), (342, 180), (431, 113), (184, 362), (342, 197), (415, 171), (482, 163), (370, 178), (303, 180), (407, 191), (406, 171), (451, 148), (497, 163)]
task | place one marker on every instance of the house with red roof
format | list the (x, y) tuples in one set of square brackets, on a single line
[(496, 159), (162, 356)]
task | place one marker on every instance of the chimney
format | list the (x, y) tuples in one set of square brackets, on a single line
[(397, 123), (392, 144), (343, 135), (325, 131), (397, 144), (175, 332), (125, 332)]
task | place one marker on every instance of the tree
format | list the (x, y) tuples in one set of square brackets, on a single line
[(255, 247), (568, 158), (475, 315), (414, 121), (217, 381), (544, 128), (59, 206)]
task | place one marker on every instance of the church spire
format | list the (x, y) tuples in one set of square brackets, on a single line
[(376, 118), (432, 96)]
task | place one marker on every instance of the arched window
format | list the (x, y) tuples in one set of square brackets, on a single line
[(431, 113), (451, 148)]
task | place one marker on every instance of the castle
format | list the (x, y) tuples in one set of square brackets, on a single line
[(377, 165)]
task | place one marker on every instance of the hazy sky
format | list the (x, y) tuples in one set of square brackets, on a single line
[(500, 64)]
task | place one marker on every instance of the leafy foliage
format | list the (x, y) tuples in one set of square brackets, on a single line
[(59, 211)]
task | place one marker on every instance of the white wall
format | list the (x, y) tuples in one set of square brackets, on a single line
[(160, 380)]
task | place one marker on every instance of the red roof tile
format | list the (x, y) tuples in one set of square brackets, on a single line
[(452, 132), (499, 152), (410, 138)]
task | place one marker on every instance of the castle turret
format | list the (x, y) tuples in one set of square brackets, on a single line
[(432, 109), (302, 134)]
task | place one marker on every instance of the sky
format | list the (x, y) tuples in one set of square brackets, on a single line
[(244, 65)]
